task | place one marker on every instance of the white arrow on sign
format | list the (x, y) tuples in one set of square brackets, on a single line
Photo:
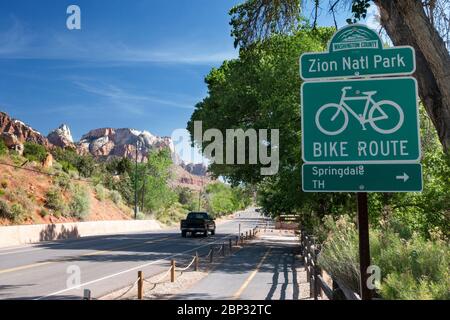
[(404, 177)]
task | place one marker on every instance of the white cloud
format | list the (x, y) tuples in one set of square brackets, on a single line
[(14, 39), (133, 102), (19, 43)]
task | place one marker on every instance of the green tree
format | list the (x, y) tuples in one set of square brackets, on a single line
[(261, 90), (157, 192), (223, 199), (418, 23)]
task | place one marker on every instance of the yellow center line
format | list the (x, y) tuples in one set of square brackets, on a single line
[(99, 252), (251, 276)]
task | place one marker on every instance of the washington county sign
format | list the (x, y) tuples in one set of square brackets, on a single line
[(356, 50), (362, 178), (360, 121)]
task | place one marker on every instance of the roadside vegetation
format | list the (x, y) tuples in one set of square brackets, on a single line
[(74, 177)]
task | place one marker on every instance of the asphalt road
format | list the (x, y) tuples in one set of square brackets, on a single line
[(264, 270), (104, 263)]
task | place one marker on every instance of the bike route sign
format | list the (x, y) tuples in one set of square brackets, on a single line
[(360, 129), (362, 177), (356, 51), (360, 121)]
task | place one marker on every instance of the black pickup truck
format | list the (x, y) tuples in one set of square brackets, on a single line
[(197, 222)]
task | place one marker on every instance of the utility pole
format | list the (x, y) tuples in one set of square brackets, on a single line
[(200, 195), (143, 192), (135, 182)]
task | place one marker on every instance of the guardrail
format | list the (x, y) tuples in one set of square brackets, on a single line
[(310, 249), (226, 248)]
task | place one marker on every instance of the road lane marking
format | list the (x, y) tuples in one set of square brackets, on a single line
[(43, 263), (127, 270), (57, 244), (252, 275)]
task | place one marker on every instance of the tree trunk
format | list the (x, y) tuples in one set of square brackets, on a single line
[(406, 24)]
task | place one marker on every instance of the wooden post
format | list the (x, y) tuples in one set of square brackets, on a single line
[(237, 240), (317, 272), (246, 235), (196, 262), (172, 270), (312, 280), (87, 294), (140, 285)]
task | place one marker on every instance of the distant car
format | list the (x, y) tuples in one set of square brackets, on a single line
[(258, 210), (198, 222)]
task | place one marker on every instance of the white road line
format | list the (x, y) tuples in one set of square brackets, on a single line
[(58, 245), (126, 271)]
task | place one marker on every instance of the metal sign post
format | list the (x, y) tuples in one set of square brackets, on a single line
[(364, 246)]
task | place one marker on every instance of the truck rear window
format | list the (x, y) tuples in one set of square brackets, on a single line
[(197, 215)]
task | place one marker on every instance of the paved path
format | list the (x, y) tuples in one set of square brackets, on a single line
[(264, 270), (104, 263)]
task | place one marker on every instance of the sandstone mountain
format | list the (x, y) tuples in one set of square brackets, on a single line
[(198, 169), (61, 137), (15, 133), (104, 144), (107, 142)]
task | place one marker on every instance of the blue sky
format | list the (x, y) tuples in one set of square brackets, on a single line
[(137, 64)]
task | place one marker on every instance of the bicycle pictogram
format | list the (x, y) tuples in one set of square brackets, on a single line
[(373, 112)]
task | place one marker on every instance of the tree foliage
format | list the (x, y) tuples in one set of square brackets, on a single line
[(261, 90), (422, 24)]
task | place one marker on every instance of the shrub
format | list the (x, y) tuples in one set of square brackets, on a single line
[(340, 255), (63, 181), (3, 148), (18, 213), (16, 158), (55, 202), (80, 205), (21, 197), (4, 184), (85, 166), (140, 216), (170, 215), (43, 213), (5, 212), (115, 197), (413, 268), (101, 192), (34, 152)]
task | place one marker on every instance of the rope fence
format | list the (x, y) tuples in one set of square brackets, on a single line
[(173, 269)]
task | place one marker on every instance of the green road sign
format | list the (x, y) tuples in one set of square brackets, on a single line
[(356, 51), (362, 178), (360, 121)]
